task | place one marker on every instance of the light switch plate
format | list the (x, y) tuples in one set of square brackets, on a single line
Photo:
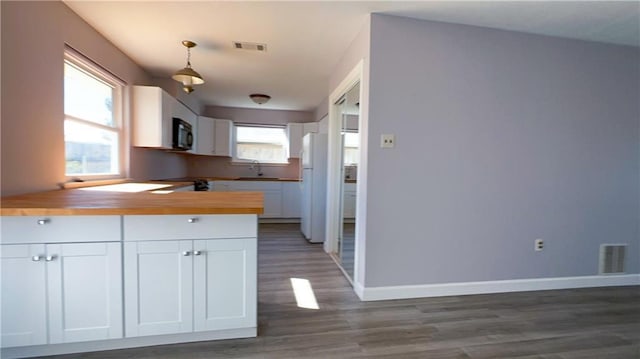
[(387, 141)]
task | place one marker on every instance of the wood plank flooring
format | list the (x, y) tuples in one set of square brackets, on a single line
[(568, 324)]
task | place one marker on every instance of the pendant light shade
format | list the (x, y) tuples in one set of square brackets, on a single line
[(188, 76)]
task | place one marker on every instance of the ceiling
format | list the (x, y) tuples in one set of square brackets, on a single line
[(306, 39)]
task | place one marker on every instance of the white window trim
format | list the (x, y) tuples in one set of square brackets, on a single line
[(244, 162), (93, 69)]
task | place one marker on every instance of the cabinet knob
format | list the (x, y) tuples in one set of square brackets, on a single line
[(49, 258), (43, 221), (192, 220), (197, 253), (36, 258), (186, 253)]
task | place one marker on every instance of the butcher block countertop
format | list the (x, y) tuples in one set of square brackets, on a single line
[(89, 201)]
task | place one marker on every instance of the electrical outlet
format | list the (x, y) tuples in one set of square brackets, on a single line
[(387, 141), (538, 245)]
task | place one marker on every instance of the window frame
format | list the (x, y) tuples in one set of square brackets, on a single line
[(89, 67), (243, 161)]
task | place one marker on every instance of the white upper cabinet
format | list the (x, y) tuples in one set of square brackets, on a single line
[(223, 137), (205, 136), (153, 111), (309, 127), (214, 136), (295, 132)]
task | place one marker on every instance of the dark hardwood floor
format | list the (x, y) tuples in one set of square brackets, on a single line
[(584, 323)]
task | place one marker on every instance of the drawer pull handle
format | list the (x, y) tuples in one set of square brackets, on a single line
[(43, 221), (36, 258), (186, 253), (192, 220), (49, 258), (197, 253)]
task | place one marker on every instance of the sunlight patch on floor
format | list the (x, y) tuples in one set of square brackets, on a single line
[(304, 293)]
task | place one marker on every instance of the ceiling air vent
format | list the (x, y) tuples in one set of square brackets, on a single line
[(612, 258), (250, 46)]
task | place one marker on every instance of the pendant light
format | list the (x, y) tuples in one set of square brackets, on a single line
[(188, 76)]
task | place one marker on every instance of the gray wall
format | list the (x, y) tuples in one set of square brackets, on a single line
[(501, 138), (33, 38), (358, 51)]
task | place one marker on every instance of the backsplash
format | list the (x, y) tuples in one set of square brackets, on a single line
[(211, 166)]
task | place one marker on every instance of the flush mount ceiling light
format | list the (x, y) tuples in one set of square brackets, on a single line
[(259, 98), (188, 76)]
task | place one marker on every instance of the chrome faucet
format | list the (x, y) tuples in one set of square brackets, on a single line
[(255, 165)]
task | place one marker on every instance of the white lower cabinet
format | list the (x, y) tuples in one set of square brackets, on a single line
[(24, 297), (349, 201), (178, 285), (272, 191), (291, 200), (158, 284), (85, 291), (182, 274), (225, 284), (189, 285), (81, 282)]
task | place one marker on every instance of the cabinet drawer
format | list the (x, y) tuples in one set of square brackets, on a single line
[(171, 227), (256, 186), (58, 229)]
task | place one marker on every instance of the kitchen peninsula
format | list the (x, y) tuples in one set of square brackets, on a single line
[(86, 270)]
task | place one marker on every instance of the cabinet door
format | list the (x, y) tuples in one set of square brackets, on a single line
[(291, 199), (225, 284), (158, 282), (205, 136), (294, 133), (85, 291), (310, 127), (272, 204), (349, 207), (24, 303), (223, 133)]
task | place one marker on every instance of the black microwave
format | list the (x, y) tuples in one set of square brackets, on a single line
[(182, 135)]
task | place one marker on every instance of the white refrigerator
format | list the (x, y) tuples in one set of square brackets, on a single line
[(314, 186)]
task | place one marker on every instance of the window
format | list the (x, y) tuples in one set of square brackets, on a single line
[(93, 135), (351, 148), (264, 144)]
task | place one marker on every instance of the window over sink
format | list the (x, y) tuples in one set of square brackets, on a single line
[(93, 130), (266, 144)]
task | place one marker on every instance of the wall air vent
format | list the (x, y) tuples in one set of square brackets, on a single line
[(612, 258), (250, 46)]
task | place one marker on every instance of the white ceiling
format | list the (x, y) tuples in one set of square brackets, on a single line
[(305, 39)]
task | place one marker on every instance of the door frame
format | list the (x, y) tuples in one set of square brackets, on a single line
[(334, 178)]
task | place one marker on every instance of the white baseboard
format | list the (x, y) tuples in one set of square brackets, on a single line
[(122, 343), (499, 286), (278, 220)]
